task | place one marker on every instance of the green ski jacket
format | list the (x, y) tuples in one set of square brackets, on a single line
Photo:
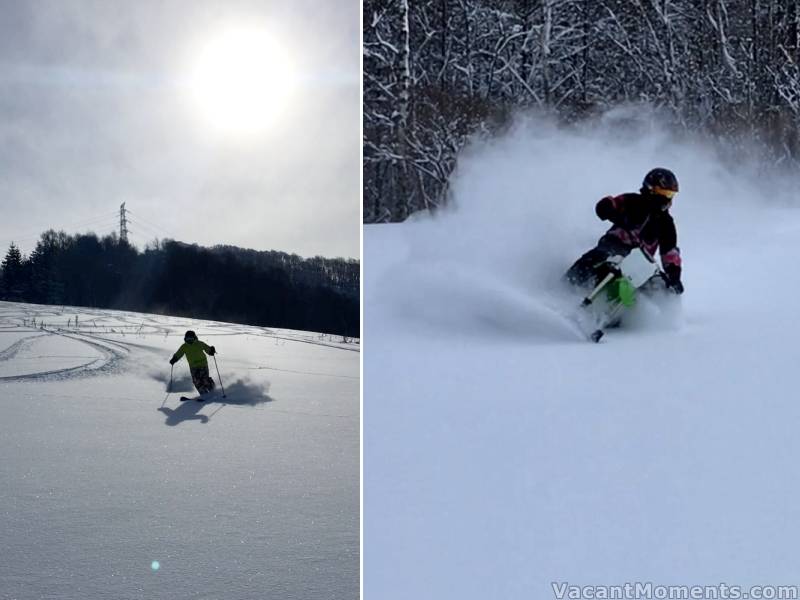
[(195, 353)]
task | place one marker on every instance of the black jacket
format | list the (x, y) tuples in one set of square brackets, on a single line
[(643, 220)]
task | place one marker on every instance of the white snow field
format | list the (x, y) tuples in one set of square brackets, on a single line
[(503, 453), (112, 488)]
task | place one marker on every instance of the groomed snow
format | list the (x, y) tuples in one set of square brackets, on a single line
[(503, 453), (112, 488)]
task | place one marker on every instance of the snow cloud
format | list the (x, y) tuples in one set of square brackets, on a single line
[(240, 391), (523, 210)]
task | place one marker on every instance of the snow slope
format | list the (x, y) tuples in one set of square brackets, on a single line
[(503, 453), (112, 488)]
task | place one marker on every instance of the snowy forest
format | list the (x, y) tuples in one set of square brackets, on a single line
[(223, 283), (439, 71)]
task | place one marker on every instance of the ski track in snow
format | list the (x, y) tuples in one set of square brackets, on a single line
[(111, 353), (16, 348)]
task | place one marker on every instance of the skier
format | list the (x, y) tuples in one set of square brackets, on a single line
[(195, 352), (637, 220)]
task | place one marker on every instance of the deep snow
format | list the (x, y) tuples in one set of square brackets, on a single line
[(503, 453), (102, 472)]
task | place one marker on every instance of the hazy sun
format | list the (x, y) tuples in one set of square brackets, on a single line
[(240, 80)]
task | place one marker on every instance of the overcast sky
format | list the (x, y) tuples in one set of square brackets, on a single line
[(95, 111)]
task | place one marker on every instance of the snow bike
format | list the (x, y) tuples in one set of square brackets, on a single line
[(620, 279)]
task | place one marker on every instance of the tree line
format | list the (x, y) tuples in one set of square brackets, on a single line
[(438, 71), (223, 283)]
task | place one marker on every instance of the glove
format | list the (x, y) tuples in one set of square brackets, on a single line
[(212, 351), (172, 360), (606, 211), (672, 275)]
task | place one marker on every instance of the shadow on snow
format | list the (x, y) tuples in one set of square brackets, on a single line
[(241, 392)]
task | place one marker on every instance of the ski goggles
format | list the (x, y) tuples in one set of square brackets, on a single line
[(665, 192)]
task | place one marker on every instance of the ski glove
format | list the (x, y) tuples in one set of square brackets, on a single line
[(605, 210), (677, 287), (212, 351), (172, 360), (673, 276)]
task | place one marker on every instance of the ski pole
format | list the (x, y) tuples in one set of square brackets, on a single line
[(219, 376), (588, 300)]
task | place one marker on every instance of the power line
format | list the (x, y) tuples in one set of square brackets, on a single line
[(104, 222), (148, 229), (152, 226), (83, 223)]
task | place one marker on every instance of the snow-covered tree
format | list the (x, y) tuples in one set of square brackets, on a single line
[(438, 71)]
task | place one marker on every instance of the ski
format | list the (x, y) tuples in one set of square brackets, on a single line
[(606, 304), (198, 399)]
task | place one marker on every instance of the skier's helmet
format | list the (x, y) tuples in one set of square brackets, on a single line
[(190, 336), (661, 182)]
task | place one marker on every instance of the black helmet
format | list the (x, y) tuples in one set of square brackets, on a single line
[(661, 182), (190, 336)]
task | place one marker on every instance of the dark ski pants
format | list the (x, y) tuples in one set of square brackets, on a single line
[(584, 271), (201, 379)]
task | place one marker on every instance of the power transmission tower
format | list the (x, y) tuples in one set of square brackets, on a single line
[(123, 224)]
